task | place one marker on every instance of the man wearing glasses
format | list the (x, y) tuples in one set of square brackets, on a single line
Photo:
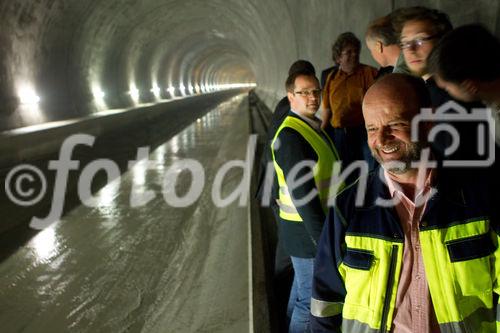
[(303, 157), (421, 29)]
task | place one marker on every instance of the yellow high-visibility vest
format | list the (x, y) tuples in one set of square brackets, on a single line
[(327, 155)]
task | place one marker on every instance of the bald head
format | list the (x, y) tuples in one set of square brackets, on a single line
[(409, 92), (389, 107)]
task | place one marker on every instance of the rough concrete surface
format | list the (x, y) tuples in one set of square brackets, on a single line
[(66, 50), (153, 268)]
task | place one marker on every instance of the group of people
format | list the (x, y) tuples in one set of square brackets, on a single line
[(419, 251)]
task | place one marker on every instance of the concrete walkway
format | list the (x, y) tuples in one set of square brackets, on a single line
[(154, 268)]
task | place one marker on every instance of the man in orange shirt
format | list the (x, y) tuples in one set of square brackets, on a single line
[(343, 93)]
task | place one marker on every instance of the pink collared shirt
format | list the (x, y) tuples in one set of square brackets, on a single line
[(414, 312)]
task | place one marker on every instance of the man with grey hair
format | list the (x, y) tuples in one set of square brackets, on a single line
[(383, 43)]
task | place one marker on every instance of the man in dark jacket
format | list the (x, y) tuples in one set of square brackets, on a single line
[(303, 157), (420, 252), (283, 271), (466, 64)]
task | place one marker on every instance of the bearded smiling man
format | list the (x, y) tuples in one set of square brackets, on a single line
[(388, 123), (429, 262)]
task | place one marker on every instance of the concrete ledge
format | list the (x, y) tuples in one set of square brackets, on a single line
[(262, 247), (27, 143)]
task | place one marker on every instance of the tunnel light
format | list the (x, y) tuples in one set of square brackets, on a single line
[(98, 94), (156, 91), (29, 108), (171, 91), (134, 93), (182, 88), (190, 89), (196, 89), (28, 96), (235, 85)]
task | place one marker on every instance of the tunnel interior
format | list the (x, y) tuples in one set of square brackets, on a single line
[(65, 59), (77, 60)]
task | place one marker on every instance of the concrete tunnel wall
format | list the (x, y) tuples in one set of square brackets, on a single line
[(68, 52)]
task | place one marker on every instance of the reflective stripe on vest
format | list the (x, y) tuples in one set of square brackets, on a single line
[(325, 309), (458, 261), (327, 155), (354, 326)]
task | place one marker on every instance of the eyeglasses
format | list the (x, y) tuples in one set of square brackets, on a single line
[(349, 52), (308, 93), (417, 42)]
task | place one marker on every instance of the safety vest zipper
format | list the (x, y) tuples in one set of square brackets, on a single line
[(388, 293)]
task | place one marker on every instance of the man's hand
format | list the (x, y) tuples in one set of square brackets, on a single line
[(326, 115)]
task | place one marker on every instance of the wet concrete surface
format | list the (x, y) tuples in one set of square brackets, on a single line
[(153, 128), (153, 268)]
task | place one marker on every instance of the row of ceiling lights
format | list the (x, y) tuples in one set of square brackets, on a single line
[(28, 96)]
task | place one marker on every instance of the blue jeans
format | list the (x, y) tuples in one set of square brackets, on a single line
[(301, 297), (291, 301)]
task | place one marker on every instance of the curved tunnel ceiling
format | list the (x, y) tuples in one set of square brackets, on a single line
[(79, 57)]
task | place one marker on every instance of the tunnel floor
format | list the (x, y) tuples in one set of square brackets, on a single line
[(152, 268)]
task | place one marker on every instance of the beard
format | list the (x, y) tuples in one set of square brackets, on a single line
[(411, 153)]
